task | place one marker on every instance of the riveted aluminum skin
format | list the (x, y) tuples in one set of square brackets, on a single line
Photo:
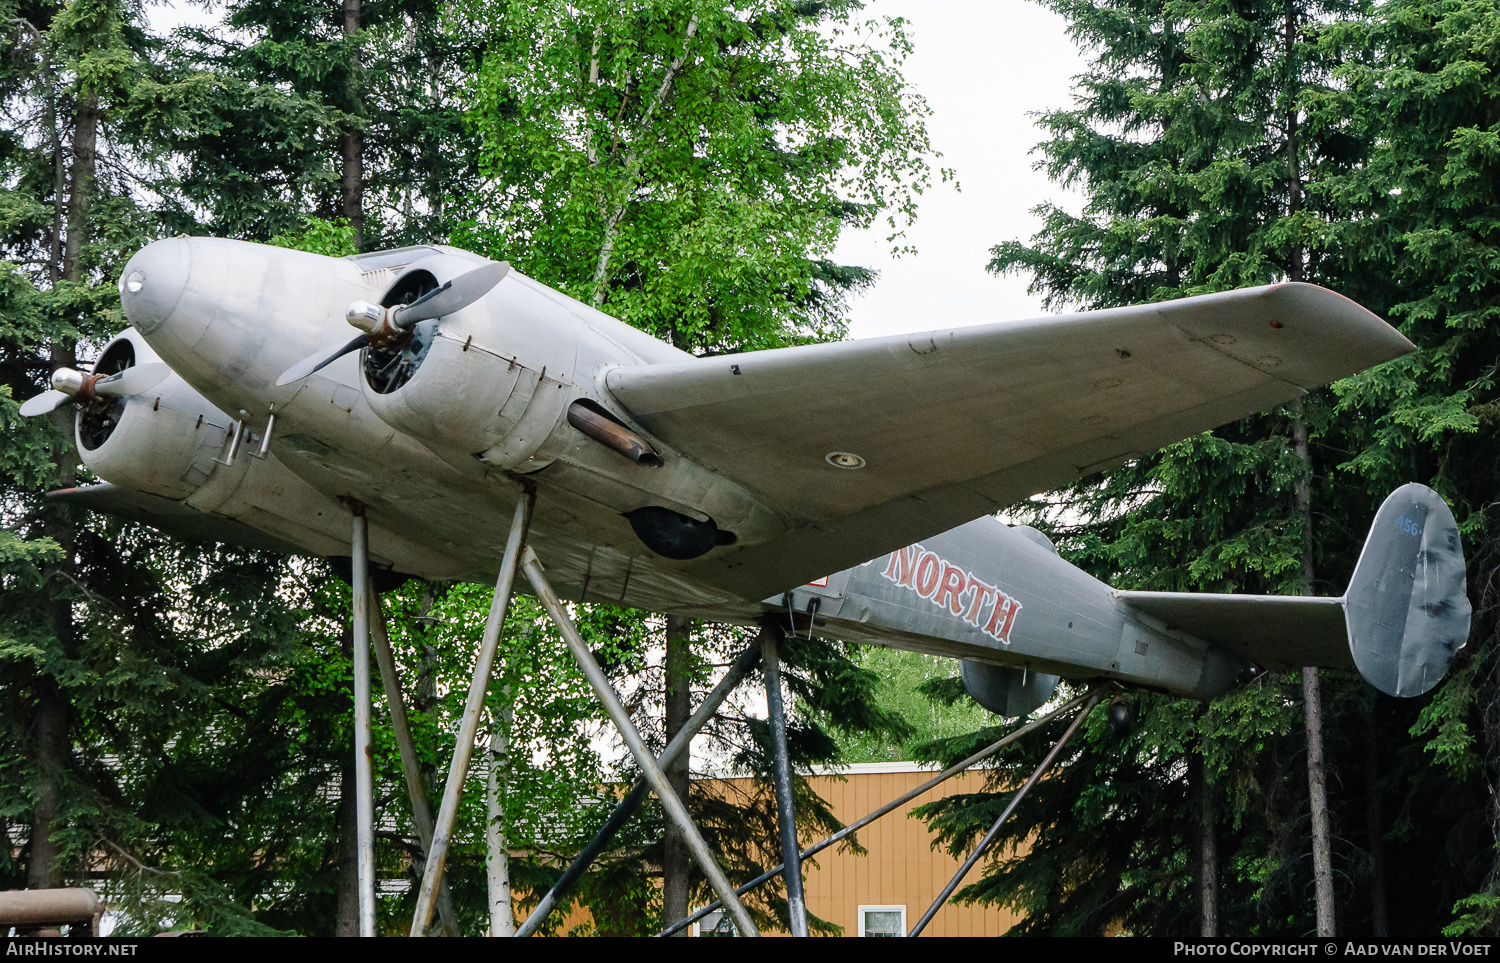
[(1000, 595)]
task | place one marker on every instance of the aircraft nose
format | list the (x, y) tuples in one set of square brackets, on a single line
[(154, 281)]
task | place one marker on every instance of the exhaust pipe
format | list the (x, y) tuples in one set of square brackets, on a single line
[(591, 419)]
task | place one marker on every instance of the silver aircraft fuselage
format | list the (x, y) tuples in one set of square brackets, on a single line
[(437, 466)]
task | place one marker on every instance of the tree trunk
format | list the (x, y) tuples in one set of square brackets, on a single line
[(1208, 848), (497, 844), (613, 217), (50, 735), (1317, 777), (676, 865), (1375, 825), (1317, 801), (424, 693), (353, 183), (346, 920), (1311, 697), (53, 715), (346, 923)]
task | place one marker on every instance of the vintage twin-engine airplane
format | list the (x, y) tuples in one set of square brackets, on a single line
[(730, 487)]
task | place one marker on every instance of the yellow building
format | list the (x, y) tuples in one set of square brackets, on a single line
[(885, 891)]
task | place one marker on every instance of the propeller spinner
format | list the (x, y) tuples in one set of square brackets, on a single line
[(71, 386), (386, 326)]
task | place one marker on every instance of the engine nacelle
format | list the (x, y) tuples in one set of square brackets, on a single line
[(512, 380), (163, 442), (483, 382)]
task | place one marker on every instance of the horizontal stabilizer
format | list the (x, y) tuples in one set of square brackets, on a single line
[(1405, 614), (170, 516), (1274, 631)]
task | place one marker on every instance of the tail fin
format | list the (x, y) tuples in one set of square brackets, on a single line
[(1407, 611)]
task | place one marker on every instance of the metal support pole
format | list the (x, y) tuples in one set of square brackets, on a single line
[(421, 813), (1015, 801), (676, 811), (627, 806), (894, 804), (786, 817), (437, 857), (364, 783)]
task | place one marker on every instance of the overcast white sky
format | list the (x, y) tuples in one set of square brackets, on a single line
[(983, 66)]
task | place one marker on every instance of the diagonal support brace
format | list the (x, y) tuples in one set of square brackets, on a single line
[(676, 811), (894, 804), (786, 818), (437, 857), (989, 837), (626, 807), (421, 812)]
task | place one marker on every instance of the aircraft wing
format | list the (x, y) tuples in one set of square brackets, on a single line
[(170, 516), (952, 425)]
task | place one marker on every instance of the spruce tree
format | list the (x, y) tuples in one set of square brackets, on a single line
[(350, 115), (83, 97), (1427, 234), (1208, 141)]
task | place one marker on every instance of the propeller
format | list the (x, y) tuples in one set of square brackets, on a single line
[(70, 386), (383, 326)]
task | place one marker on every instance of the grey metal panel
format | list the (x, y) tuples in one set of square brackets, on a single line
[(987, 592), (172, 517), (968, 420), (1274, 631), (1407, 604)]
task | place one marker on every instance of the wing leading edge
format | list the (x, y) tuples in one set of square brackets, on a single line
[(953, 425)]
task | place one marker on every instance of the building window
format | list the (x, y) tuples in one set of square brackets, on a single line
[(715, 924), (882, 921)]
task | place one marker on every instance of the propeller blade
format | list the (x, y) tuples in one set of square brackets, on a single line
[(133, 380), (317, 362), (457, 294), (49, 400)]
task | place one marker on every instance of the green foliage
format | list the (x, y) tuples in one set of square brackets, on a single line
[(688, 166), (906, 680), (318, 236), (695, 186)]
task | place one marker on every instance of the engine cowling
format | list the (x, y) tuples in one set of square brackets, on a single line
[(512, 379), (163, 442), (486, 381)]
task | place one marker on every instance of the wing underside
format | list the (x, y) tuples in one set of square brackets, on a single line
[(171, 516)]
